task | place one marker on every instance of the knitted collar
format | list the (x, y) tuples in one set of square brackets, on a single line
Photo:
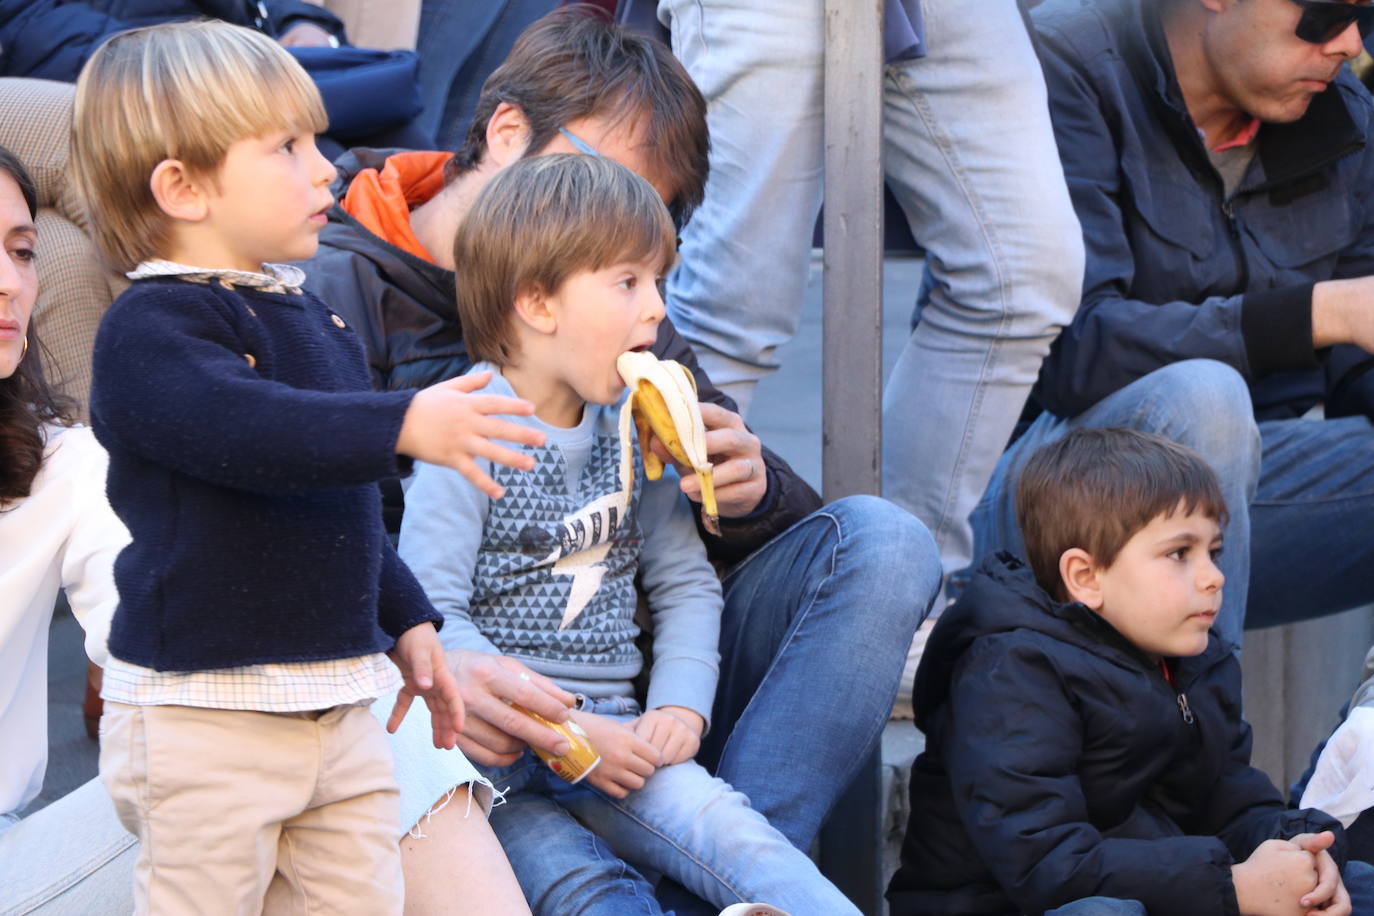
[(279, 278)]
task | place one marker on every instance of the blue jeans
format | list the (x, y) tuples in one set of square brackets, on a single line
[(72, 858), (576, 850), (813, 639), (969, 154), (1301, 551)]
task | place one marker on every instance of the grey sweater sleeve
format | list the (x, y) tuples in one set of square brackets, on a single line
[(684, 598), (440, 537)]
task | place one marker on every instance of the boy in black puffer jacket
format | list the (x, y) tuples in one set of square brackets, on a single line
[(1085, 749)]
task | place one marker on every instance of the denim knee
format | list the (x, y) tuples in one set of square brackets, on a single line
[(1052, 277), (879, 539), (1205, 405)]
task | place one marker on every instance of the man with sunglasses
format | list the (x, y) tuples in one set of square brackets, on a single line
[(1220, 157)]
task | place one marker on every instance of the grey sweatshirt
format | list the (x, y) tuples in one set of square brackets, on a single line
[(546, 574)]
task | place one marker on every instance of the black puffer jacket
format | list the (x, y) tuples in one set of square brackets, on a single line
[(1060, 764), (405, 311)]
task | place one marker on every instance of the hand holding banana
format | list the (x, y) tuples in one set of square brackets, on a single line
[(735, 478), (741, 477)]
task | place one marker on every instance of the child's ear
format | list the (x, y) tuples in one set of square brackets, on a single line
[(177, 193), (1078, 572), (534, 309), (508, 134)]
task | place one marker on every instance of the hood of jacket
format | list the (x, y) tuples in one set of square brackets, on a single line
[(429, 285), (402, 306)]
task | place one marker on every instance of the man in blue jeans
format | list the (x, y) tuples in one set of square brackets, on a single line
[(968, 153), (1218, 156), (816, 623)]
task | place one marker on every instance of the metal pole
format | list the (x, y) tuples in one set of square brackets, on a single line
[(851, 424)]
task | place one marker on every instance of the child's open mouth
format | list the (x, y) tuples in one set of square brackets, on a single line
[(642, 348)]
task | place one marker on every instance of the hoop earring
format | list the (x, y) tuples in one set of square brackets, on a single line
[(24, 350)]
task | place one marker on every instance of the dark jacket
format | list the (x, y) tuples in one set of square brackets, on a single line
[(244, 445), (404, 310), (1060, 764), (51, 39), (1174, 271)]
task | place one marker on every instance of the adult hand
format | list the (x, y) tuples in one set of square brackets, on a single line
[(305, 35), (495, 733), (740, 476), (626, 759), (1343, 312)]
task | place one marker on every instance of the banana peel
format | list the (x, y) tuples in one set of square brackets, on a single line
[(663, 402)]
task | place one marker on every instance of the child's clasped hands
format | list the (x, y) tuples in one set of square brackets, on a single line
[(1295, 877)]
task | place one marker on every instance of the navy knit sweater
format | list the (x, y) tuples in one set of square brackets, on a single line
[(244, 443)]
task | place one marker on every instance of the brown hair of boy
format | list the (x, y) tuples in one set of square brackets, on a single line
[(1095, 488), (575, 63), (538, 222)]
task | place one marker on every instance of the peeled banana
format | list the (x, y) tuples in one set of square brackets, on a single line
[(663, 401)]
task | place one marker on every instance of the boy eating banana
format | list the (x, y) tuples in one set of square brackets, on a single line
[(561, 258)]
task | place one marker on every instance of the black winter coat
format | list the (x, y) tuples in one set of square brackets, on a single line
[(1060, 764), (51, 39), (405, 311)]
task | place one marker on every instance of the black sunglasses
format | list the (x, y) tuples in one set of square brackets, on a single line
[(1323, 20)]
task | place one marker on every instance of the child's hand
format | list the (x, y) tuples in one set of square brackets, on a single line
[(1329, 897), (674, 730), (626, 759), (1275, 879), (446, 424), (421, 659)]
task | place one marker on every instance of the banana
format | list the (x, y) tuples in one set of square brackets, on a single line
[(663, 401)]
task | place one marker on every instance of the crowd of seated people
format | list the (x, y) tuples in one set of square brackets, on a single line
[(359, 436)]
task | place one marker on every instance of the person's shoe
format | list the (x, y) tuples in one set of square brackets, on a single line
[(752, 909)]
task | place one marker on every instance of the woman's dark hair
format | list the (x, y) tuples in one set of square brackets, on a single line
[(26, 401)]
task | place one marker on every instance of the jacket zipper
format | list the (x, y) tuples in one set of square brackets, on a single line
[(1179, 696), (1183, 708)]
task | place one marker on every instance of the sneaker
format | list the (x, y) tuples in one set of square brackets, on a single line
[(752, 909)]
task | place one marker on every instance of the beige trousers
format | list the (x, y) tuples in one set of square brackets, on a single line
[(248, 812)]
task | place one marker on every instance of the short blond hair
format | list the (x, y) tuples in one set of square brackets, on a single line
[(184, 91), (538, 222)]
